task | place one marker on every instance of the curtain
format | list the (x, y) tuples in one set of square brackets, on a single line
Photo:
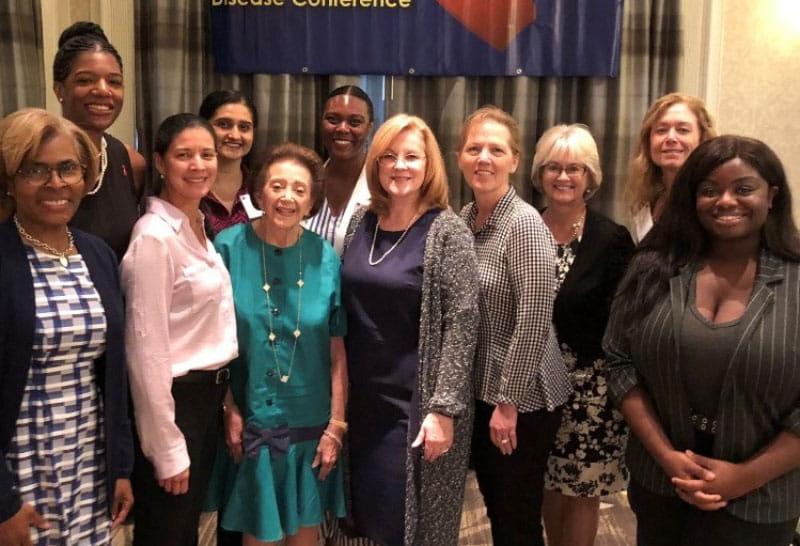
[(174, 68), (612, 107), (175, 71), (21, 74)]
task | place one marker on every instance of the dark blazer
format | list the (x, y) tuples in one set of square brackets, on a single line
[(17, 323), (760, 394), (583, 303)]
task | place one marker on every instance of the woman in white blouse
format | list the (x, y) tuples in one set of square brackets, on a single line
[(180, 336)]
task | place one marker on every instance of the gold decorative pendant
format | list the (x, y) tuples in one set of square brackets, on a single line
[(284, 379), (266, 287), (272, 337), (63, 260), (300, 283), (296, 334)]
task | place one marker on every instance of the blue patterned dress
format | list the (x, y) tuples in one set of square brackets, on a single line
[(57, 453)]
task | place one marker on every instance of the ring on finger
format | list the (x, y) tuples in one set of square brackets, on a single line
[(504, 441)]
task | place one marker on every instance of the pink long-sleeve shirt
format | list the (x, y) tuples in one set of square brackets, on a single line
[(179, 318)]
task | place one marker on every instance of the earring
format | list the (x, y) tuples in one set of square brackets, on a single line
[(60, 99)]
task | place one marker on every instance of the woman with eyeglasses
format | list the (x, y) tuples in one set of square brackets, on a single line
[(409, 283), (233, 117), (89, 85), (520, 380), (586, 461), (65, 437)]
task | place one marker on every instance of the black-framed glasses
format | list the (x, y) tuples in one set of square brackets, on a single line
[(38, 174), (573, 169), (389, 160)]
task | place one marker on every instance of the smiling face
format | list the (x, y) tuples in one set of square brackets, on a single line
[(563, 188), (734, 201), (487, 159), (233, 124), (345, 126), (286, 197), (53, 203), (673, 137), (91, 96), (189, 167), (401, 167)]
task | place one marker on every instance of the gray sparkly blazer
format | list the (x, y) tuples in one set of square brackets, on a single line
[(448, 332)]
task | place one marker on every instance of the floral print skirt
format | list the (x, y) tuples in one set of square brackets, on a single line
[(587, 459)]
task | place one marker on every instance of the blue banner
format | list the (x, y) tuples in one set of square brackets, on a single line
[(418, 37)]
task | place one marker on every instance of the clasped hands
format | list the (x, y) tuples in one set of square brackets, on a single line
[(704, 482)]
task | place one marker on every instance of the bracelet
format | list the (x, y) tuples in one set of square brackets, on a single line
[(333, 437), (337, 423)]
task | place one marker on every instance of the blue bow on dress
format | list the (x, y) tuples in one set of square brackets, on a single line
[(276, 438)]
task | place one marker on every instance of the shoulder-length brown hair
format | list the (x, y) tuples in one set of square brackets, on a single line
[(435, 192), (644, 181)]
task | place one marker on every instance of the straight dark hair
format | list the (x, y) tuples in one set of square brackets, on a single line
[(215, 99), (355, 91), (168, 130), (678, 238)]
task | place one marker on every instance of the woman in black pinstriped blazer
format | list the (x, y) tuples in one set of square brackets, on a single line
[(703, 354)]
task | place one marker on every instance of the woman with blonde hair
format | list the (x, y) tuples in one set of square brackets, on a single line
[(672, 127), (409, 283), (586, 461)]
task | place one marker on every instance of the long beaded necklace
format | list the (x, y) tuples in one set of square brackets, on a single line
[(273, 337), (103, 166), (375, 236), (62, 256)]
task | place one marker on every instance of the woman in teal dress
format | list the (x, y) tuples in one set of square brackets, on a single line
[(284, 414)]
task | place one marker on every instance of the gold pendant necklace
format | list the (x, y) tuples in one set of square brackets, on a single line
[(273, 337), (62, 256)]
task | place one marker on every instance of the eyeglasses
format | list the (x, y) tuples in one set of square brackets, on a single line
[(38, 174), (573, 169), (389, 160)]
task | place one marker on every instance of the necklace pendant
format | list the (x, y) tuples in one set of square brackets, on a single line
[(63, 260), (300, 283), (266, 287), (296, 334), (272, 337), (284, 379)]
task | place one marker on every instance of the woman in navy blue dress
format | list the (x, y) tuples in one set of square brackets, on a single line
[(410, 288)]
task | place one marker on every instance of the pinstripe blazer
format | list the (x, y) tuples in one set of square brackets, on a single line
[(760, 394)]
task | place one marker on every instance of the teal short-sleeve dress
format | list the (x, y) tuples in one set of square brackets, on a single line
[(283, 390)]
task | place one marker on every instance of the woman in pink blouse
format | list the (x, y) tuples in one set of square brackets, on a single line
[(180, 336)]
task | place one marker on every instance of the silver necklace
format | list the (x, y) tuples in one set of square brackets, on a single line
[(273, 337), (103, 166), (62, 256), (375, 236)]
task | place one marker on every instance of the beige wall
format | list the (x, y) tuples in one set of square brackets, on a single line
[(743, 57), (759, 85)]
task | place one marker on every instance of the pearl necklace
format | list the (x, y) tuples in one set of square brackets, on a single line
[(576, 227), (103, 166), (375, 236), (62, 256), (273, 337)]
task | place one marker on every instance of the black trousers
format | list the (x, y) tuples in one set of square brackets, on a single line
[(668, 521), (511, 485), (162, 519)]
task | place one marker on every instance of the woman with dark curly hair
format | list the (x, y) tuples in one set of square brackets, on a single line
[(702, 350)]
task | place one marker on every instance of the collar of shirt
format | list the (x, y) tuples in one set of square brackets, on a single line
[(169, 213), (499, 212)]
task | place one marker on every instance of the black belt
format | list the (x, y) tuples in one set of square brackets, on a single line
[(215, 377)]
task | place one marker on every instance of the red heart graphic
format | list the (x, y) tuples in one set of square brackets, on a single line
[(496, 22)]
